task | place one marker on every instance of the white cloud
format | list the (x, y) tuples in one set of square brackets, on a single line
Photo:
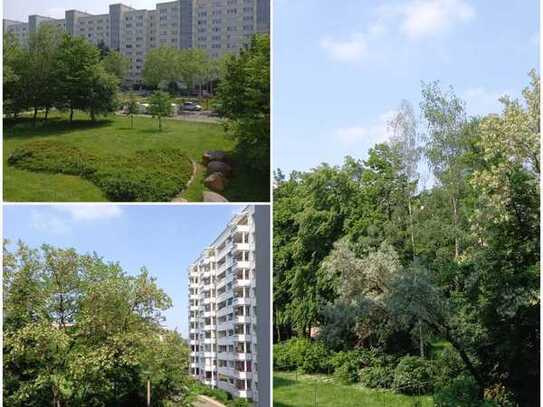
[(377, 132), (44, 222), (481, 101), (410, 19), (351, 50), (425, 18), (91, 212)]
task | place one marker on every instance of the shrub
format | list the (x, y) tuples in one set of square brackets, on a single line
[(315, 358), (447, 364), (301, 353), (413, 375), (347, 373), (238, 403), (52, 157), (500, 396), (461, 391), (377, 377), (151, 175)]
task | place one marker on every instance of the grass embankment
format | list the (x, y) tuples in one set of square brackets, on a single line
[(108, 160), (292, 390)]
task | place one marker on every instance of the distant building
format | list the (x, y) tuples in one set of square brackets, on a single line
[(217, 26), (228, 320)]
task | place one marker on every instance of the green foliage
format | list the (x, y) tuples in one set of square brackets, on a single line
[(57, 70), (347, 372), (160, 105), (377, 377), (301, 353), (376, 260), (116, 64), (413, 375), (459, 391), (244, 97), (151, 175), (93, 337)]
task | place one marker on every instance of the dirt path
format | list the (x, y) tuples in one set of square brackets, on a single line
[(204, 401), (179, 198)]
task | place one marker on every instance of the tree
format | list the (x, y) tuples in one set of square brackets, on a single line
[(116, 64), (132, 108), (76, 65), (39, 74), (102, 93), (160, 105), (161, 66), (79, 331), (11, 80), (244, 97)]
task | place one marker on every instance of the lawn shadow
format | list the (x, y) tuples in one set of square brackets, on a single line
[(246, 184), (281, 404), (282, 382), (24, 128)]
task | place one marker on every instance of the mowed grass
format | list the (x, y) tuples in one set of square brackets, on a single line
[(103, 138), (291, 390)]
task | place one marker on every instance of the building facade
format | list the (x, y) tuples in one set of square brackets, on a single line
[(227, 294), (217, 26)]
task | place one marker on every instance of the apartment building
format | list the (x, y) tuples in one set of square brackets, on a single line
[(229, 309), (217, 26)]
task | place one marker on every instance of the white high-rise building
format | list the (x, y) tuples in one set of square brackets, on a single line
[(217, 26), (227, 345)]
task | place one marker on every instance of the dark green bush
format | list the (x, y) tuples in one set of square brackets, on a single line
[(447, 364), (347, 373), (301, 353), (377, 377), (461, 391), (145, 176), (499, 395), (413, 375), (52, 157)]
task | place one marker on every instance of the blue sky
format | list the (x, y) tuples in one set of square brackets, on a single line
[(19, 10), (341, 68), (164, 238)]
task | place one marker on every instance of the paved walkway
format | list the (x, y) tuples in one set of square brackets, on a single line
[(204, 401)]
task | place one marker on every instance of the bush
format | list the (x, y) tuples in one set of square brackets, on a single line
[(301, 353), (377, 377), (413, 375), (145, 176), (461, 391), (347, 373), (500, 396), (52, 157), (238, 403), (447, 364)]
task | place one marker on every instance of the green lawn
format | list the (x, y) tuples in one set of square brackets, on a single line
[(291, 390), (114, 135)]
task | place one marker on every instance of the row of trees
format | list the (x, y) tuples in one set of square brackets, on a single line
[(79, 331), (60, 71), (435, 236), (166, 66)]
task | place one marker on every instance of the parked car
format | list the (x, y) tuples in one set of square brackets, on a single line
[(191, 107), (143, 108)]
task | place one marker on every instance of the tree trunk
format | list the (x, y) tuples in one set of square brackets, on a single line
[(131, 121), (35, 116), (71, 114), (46, 112), (159, 124), (421, 341), (455, 221), (409, 207)]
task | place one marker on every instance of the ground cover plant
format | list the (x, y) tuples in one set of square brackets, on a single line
[(148, 175)]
